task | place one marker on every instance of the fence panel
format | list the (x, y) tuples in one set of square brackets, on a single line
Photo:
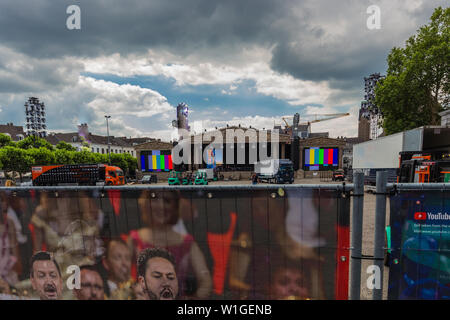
[(239, 242), (420, 242)]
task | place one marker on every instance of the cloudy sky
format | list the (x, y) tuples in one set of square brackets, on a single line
[(232, 61)]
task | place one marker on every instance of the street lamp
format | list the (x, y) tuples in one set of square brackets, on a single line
[(107, 133)]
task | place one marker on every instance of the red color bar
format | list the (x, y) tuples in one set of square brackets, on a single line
[(330, 156), (170, 162)]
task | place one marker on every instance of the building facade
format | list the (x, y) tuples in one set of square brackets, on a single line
[(16, 133)]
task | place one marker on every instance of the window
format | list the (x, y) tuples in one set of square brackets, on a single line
[(98, 150), (103, 150)]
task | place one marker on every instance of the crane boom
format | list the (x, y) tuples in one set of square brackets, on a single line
[(330, 116)]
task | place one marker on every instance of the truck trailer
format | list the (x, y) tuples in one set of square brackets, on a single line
[(77, 174), (384, 153), (275, 171)]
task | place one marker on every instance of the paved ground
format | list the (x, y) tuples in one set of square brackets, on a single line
[(368, 232)]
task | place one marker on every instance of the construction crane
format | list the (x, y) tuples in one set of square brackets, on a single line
[(328, 116)]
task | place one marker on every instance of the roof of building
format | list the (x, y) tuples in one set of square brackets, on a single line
[(69, 137), (209, 135), (12, 130), (319, 134), (353, 140), (156, 144), (136, 141), (322, 142)]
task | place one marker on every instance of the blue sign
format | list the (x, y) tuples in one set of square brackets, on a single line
[(420, 258)]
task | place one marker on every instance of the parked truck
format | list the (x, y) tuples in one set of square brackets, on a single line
[(209, 173), (384, 153), (77, 174), (424, 167), (275, 171)]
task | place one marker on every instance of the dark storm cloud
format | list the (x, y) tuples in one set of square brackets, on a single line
[(311, 40), (38, 28), (20, 73)]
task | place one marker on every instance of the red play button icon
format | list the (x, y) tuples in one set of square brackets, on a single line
[(420, 216)]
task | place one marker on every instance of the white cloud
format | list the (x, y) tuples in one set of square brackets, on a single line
[(185, 72), (346, 126), (112, 98)]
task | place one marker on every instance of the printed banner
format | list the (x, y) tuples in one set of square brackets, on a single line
[(420, 236), (99, 243)]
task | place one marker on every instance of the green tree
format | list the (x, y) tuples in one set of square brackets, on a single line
[(64, 156), (62, 145), (417, 84), (132, 164), (41, 156), (15, 160), (118, 159), (83, 157), (99, 158), (34, 142), (5, 140)]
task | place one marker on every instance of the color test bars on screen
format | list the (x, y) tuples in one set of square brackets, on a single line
[(317, 157), (156, 160)]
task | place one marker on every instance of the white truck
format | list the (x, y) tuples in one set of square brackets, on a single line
[(384, 153), (275, 171), (209, 173)]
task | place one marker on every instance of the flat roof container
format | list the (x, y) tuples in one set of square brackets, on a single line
[(383, 153)]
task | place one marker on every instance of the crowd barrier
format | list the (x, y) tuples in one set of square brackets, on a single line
[(229, 242), (419, 260)]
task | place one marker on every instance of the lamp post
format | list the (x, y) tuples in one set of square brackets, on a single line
[(107, 133)]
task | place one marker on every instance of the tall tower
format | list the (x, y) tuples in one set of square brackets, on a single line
[(369, 111), (35, 115)]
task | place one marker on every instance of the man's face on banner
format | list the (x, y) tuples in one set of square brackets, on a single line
[(118, 262), (46, 280), (288, 283), (160, 281), (91, 286)]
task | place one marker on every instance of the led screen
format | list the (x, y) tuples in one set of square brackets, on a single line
[(156, 160), (316, 158)]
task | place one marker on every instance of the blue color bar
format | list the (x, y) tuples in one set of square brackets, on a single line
[(143, 166)]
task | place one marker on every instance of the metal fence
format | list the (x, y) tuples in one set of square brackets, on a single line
[(419, 256), (229, 242), (415, 243)]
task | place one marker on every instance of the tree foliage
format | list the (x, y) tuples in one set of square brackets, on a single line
[(62, 145), (5, 140), (15, 160), (34, 142), (21, 159), (417, 84), (42, 156)]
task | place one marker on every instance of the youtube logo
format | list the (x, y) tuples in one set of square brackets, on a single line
[(420, 216)]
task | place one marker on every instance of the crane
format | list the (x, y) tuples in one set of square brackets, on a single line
[(328, 116)]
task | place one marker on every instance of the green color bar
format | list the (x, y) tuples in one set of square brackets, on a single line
[(321, 156), (161, 160)]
